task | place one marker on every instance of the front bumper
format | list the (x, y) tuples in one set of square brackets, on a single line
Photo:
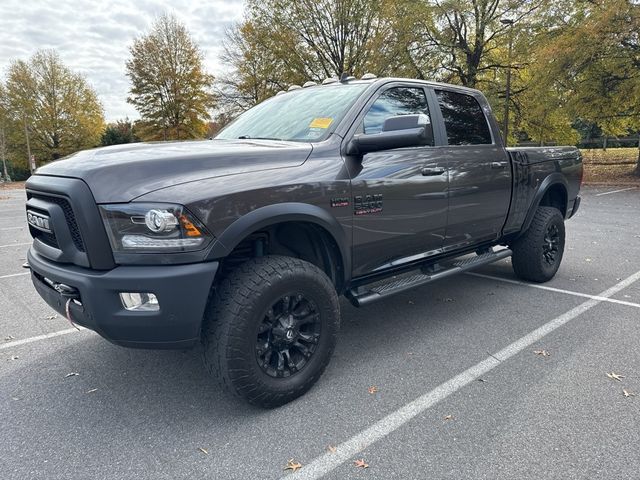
[(182, 292)]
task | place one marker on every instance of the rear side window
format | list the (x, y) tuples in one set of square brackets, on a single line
[(464, 119), (395, 102)]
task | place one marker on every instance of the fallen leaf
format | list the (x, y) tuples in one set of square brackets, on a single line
[(447, 300), (361, 463), (542, 353), (72, 374), (482, 380), (372, 389), (15, 357), (51, 317), (615, 376), (8, 338), (410, 302), (293, 465), (203, 450), (627, 393), (587, 259), (448, 417), (92, 390), (332, 449)]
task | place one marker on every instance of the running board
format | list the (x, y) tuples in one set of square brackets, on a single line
[(362, 296)]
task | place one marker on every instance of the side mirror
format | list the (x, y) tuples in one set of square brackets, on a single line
[(397, 132)]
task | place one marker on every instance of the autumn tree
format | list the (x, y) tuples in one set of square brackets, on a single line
[(594, 59), (58, 110), (461, 41), (282, 42), (169, 85)]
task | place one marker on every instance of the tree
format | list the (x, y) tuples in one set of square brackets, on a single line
[(282, 43), (58, 110), (4, 127), (461, 41), (118, 133), (595, 59), (170, 87)]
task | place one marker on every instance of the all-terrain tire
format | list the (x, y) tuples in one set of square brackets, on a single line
[(538, 252), (243, 303)]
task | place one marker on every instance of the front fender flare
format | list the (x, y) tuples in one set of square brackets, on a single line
[(279, 213)]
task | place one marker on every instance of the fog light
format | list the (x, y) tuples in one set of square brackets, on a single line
[(139, 302)]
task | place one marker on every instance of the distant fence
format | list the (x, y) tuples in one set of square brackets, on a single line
[(595, 143)]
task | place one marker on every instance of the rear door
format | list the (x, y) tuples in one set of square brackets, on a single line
[(479, 170), (399, 195)]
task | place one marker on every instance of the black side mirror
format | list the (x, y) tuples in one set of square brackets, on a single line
[(397, 132)]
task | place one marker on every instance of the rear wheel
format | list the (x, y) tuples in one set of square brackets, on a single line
[(271, 329), (538, 252)]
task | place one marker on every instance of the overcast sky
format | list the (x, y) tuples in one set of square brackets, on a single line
[(93, 37)]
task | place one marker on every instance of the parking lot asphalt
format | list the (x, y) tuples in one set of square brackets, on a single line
[(460, 391)]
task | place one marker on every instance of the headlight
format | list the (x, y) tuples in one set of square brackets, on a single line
[(145, 227)]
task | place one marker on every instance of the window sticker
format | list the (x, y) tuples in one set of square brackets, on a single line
[(320, 123)]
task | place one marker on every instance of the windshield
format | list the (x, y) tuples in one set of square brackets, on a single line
[(304, 115)]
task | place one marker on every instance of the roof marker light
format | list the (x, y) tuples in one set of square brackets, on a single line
[(309, 84), (330, 80), (294, 87), (369, 76)]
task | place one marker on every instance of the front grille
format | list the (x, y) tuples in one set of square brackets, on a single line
[(47, 238), (69, 217)]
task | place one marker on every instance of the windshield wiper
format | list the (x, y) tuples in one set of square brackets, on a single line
[(248, 137)]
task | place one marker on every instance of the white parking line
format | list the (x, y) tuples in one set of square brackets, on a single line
[(12, 228), (14, 275), (14, 244), (552, 289), (614, 191), (346, 450), (39, 337)]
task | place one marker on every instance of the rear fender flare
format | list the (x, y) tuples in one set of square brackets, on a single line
[(552, 180)]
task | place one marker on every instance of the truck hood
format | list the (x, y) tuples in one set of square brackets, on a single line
[(122, 173)]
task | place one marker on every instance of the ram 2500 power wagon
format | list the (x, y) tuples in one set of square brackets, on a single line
[(360, 187)]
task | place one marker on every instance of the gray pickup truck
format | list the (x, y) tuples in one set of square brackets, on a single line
[(356, 187)]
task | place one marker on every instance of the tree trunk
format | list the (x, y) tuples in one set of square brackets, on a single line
[(637, 170)]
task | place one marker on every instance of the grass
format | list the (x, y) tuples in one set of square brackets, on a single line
[(12, 186), (614, 166)]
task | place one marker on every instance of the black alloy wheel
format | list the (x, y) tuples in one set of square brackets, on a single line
[(288, 335)]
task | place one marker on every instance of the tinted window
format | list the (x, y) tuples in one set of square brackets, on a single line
[(394, 102), (463, 118)]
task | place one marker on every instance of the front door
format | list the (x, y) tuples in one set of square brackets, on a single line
[(399, 195)]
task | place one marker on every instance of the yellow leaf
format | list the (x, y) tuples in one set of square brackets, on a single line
[(293, 465), (361, 464)]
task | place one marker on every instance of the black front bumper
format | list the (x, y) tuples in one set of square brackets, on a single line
[(182, 292)]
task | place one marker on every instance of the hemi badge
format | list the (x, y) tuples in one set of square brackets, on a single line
[(39, 221)]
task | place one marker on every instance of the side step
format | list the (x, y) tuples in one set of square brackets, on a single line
[(363, 296)]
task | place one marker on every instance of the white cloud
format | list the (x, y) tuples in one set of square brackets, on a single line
[(93, 37)]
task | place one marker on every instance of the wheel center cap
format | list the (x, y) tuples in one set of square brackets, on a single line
[(289, 334)]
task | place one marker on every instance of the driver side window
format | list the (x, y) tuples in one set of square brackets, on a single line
[(395, 102)]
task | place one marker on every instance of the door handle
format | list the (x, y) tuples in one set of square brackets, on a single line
[(432, 171), (497, 165)]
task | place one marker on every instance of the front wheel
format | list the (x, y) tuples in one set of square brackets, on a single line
[(538, 252), (271, 329)]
